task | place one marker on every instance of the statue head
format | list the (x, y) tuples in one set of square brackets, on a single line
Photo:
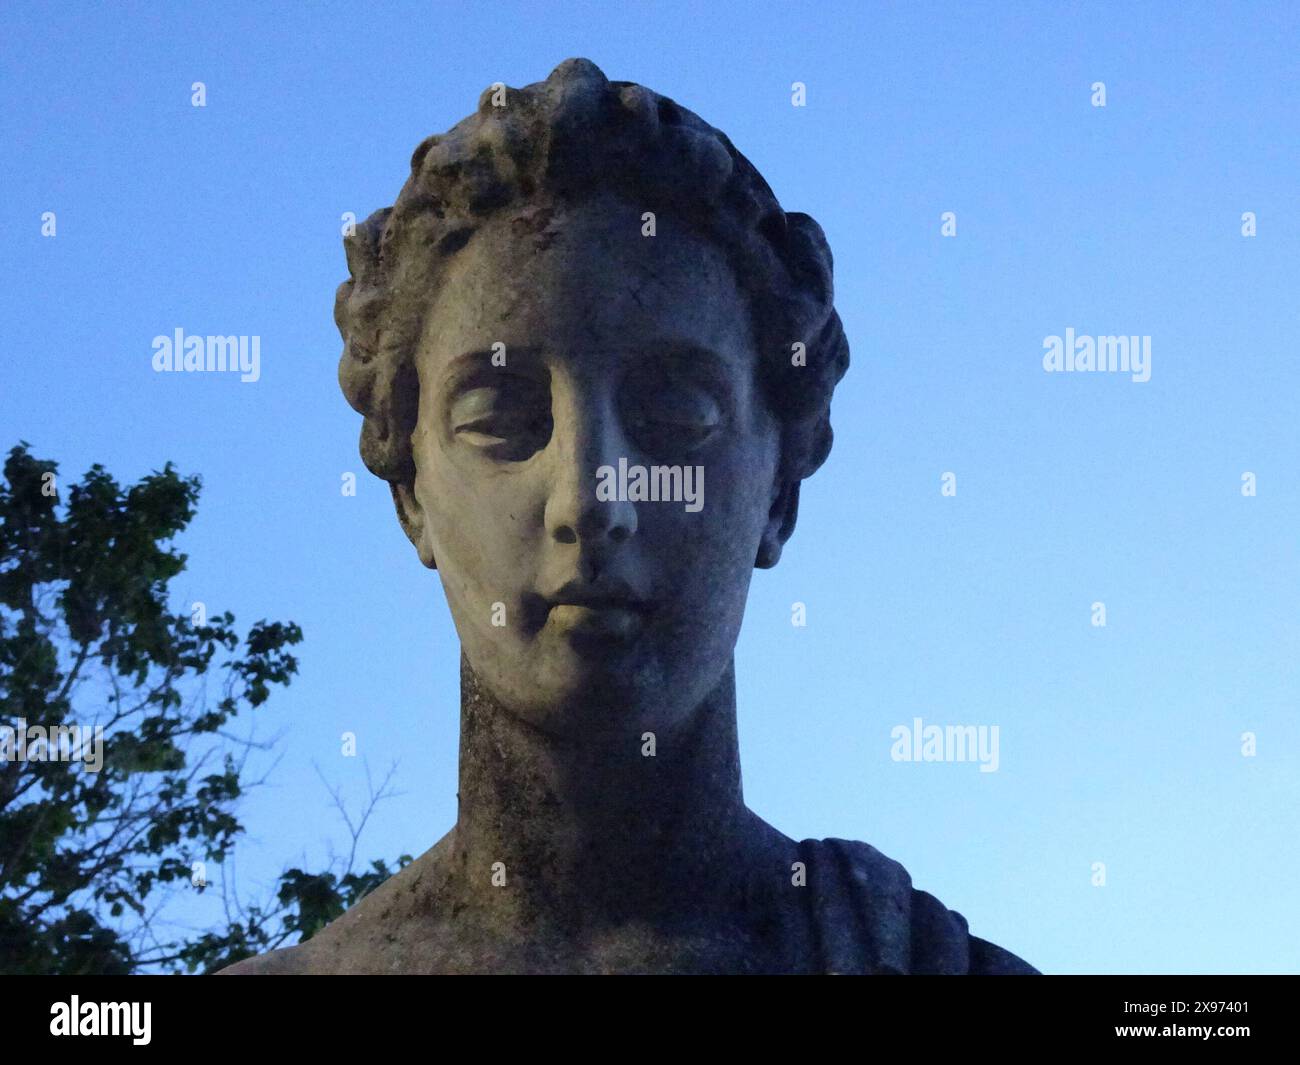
[(595, 360)]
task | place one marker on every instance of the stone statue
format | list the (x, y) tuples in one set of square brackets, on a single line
[(585, 308)]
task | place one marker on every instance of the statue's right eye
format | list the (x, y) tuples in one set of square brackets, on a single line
[(511, 421)]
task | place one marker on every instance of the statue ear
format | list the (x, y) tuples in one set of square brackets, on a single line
[(780, 524), (411, 516)]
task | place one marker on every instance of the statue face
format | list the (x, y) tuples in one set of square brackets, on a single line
[(577, 611)]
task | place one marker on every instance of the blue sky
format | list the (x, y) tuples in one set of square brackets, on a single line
[(1119, 744)]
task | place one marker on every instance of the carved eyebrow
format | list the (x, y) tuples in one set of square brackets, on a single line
[(526, 353), (685, 356), (472, 368)]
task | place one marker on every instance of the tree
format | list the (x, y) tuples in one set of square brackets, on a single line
[(90, 853)]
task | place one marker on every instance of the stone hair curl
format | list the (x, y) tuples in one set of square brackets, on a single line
[(560, 138)]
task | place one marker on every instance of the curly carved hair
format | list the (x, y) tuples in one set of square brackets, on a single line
[(559, 139)]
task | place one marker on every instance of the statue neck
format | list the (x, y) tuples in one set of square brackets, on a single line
[(593, 830)]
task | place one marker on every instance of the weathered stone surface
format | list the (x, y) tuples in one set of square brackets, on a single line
[(584, 277)]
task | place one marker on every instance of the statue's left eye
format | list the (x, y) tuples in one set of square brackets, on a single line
[(672, 416)]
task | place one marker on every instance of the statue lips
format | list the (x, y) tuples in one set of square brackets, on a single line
[(594, 614)]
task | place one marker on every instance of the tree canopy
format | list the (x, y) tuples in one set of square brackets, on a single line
[(89, 856)]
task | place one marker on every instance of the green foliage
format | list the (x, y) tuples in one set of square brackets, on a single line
[(86, 638)]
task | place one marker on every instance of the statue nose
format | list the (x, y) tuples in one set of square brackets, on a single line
[(574, 512), (598, 523)]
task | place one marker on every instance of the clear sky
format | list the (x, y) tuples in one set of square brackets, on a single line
[(1119, 744)]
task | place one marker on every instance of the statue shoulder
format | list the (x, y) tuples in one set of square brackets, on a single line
[(287, 961), (868, 918), (364, 939)]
